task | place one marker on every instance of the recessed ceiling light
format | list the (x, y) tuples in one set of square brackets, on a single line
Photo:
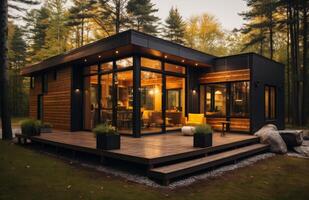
[(116, 52), (165, 56), (196, 64), (85, 60), (99, 56), (183, 61)]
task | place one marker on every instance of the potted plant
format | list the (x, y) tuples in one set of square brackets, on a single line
[(46, 127), (30, 127), (202, 136), (107, 137)]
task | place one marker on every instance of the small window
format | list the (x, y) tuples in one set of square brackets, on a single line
[(45, 83), (55, 73), (174, 68), (270, 102), (124, 63), (32, 82), (150, 63), (105, 67)]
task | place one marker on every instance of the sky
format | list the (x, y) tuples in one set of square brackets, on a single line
[(226, 11)]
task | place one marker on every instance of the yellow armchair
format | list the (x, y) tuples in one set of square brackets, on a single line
[(195, 119)]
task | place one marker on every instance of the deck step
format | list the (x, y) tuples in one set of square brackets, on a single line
[(168, 172)]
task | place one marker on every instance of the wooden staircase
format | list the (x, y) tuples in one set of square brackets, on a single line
[(182, 168)]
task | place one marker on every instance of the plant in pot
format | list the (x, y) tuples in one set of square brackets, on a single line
[(30, 127), (107, 137), (202, 136), (46, 127)]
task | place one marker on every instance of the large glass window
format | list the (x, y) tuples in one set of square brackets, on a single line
[(270, 102), (240, 99), (151, 63), (105, 67), (175, 102), (93, 69), (174, 68), (106, 98), (216, 100), (124, 85), (151, 102), (124, 63), (91, 107)]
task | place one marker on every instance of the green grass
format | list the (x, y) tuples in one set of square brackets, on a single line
[(46, 178)]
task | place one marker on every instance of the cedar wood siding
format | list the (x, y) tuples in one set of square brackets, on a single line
[(57, 100)]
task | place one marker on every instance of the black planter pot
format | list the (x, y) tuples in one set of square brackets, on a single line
[(108, 142), (46, 130), (202, 140)]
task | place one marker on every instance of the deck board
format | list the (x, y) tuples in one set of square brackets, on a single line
[(148, 149)]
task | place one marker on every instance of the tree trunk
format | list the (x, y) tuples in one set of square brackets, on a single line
[(117, 23), (305, 63), (5, 110), (271, 38), (288, 72)]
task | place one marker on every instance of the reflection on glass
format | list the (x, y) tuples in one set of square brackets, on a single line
[(123, 63), (270, 102), (108, 66), (124, 85), (174, 68), (91, 107), (151, 102), (93, 69), (106, 98), (240, 99), (216, 100), (175, 101), (150, 63)]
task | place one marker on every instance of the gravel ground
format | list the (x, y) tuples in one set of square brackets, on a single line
[(184, 182)]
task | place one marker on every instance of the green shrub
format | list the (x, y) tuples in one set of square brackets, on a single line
[(30, 127), (104, 129), (203, 129)]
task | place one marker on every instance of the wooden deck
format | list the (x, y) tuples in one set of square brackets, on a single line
[(148, 150)]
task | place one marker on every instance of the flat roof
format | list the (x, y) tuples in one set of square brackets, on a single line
[(120, 40)]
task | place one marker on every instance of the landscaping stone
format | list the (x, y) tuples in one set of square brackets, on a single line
[(303, 149), (269, 134), (292, 138)]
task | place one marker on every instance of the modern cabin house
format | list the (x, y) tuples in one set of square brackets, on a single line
[(145, 85)]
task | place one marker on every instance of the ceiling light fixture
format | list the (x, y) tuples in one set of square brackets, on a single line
[(116, 52)]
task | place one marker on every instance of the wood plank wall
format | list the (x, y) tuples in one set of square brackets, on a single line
[(237, 124), (57, 100), (225, 76)]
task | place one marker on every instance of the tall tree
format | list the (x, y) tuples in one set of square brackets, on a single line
[(174, 27), (5, 106), (263, 10), (80, 13), (112, 15), (142, 16)]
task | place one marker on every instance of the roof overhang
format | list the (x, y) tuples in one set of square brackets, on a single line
[(127, 42)]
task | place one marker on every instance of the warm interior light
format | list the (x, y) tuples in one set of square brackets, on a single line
[(218, 92)]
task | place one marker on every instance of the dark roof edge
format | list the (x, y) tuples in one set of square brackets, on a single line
[(249, 53)]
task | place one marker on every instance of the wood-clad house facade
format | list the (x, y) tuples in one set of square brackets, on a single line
[(143, 84)]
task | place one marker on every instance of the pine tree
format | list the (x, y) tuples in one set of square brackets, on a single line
[(112, 15), (142, 16), (4, 92), (175, 27), (80, 13)]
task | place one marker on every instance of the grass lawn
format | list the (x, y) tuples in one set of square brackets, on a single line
[(26, 174)]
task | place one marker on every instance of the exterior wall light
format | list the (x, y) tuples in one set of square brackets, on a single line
[(77, 90), (194, 92)]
